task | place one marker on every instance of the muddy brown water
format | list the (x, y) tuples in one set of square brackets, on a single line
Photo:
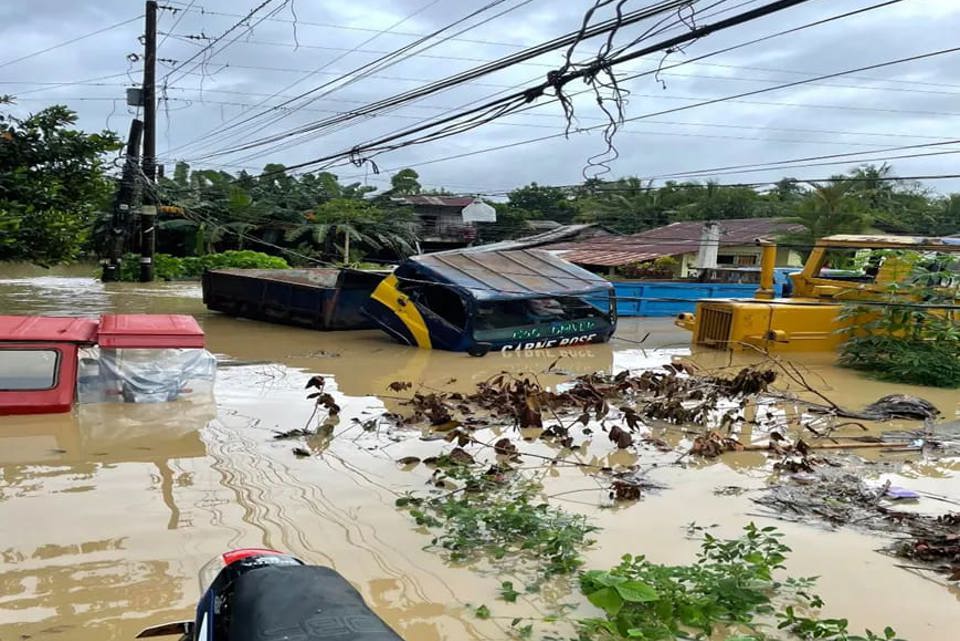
[(107, 513)]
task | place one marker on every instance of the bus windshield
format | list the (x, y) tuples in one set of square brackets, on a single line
[(535, 318)]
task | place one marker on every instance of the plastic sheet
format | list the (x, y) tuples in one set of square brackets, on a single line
[(144, 375)]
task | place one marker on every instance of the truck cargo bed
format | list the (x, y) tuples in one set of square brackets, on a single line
[(322, 298)]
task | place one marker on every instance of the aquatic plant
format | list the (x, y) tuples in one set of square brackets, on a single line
[(498, 516), (730, 587)]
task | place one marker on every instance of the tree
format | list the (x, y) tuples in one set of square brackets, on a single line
[(551, 203), (405, 183), (52, 184), (355, 222), (827, 210)]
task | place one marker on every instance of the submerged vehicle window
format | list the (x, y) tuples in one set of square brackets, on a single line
[(536, 317), (442, 301), (28, 369)]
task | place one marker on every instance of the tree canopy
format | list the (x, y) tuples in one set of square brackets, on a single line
[(55, 195), (52, 184)]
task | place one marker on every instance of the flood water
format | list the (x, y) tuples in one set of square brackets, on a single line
[(107, 513)]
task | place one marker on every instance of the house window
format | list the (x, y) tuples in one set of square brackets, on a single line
[(28, 369), (746, 261), (725, 259)]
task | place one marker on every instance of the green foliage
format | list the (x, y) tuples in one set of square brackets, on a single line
[(52, 184), (192, 267), (663, 267), (828, 210), (503, 522), (551, 203), (902, 341), (630, 205), (508, 593), (730, 586), (360, 224), (405, 182), (483, 612)]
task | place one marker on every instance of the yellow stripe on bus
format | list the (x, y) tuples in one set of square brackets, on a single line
[(400, 304)]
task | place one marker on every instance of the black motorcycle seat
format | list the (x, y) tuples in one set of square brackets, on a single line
[(302, 603)]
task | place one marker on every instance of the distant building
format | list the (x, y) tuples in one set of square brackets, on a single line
[(442, 222), (736, 245)]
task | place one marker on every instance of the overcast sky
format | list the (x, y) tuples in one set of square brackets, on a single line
[(914, 103)]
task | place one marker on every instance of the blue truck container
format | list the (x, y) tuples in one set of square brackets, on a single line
[(669, 298)]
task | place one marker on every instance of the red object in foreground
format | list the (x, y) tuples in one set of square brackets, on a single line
[(38, 354), (149, 331), (47, 328), (243, 553)]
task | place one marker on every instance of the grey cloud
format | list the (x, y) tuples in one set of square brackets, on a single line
[(780, 131)]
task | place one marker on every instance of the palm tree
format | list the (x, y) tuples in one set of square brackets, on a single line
[(827, 210), (354, 221)]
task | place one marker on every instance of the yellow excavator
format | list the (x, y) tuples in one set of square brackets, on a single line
[(840, 270)]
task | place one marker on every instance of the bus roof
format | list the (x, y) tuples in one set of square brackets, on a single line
[(524, 273), (947, 244)]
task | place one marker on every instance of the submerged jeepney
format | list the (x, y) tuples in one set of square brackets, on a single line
[(48, 363), (476, 301)]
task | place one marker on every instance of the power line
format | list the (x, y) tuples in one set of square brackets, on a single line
[(330, 25), (701, 57), (70, 41), (176, 22), (389, 60), (203, 50), (373, 146), (382, 62), (490, 67), (512, 87)]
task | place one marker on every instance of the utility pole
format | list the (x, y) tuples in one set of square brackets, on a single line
[(148, 212), (120, 223)]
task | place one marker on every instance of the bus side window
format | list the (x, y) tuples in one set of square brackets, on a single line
[(444, 302)]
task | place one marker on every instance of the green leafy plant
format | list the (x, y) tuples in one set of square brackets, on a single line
[(502, 519), (731, 586), (909, 339), (508, 593), (169, 267), (663, 268)]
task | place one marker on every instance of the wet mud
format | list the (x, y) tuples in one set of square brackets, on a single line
[(107, 513)]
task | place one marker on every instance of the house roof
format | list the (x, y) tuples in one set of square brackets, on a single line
[(435, 201), (510, 274), (567, 233), (672, 240)]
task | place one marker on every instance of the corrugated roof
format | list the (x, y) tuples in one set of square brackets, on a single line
[(498, 274), (436, 201), (566, 232), (672, 240)]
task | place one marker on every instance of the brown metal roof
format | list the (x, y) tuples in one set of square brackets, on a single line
[(672, 240), (435, 201)]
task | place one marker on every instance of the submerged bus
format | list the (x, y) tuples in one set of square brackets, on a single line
[(476, 301)]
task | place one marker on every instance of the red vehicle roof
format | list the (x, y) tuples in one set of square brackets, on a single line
[(149, 331), (48, 328)]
